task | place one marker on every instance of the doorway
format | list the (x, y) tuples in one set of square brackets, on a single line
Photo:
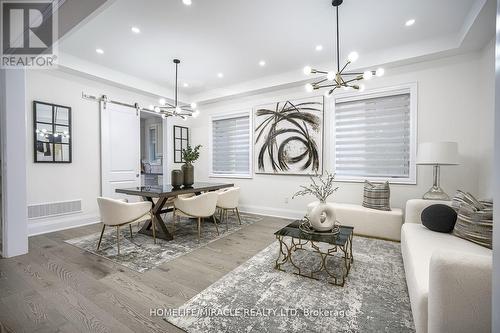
[(152, 149)]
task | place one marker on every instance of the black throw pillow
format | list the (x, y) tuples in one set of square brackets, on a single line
[(440, 218)]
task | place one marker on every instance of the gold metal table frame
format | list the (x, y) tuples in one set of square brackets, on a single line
[(287, 249)]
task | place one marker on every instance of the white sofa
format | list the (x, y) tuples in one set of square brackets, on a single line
[(371, 222), (449, 278)]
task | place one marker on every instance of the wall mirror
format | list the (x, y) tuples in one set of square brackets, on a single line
[(52, 133), (181, 141)]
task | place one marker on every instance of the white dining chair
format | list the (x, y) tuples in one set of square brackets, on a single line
[(228, 200), (199, 207), (117, 213)]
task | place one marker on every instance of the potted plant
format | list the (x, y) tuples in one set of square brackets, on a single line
[(189, 155), (320, 214)]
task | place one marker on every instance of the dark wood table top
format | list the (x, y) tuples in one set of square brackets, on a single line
[(157, 191)]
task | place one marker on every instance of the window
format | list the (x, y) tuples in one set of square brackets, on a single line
[(375, 136), (230, 146)]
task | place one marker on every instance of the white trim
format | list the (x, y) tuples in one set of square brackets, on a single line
[(273, 212), (236, 114), (411, 88), (53, 224)]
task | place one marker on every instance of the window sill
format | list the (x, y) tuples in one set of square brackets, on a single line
[(237, 176)]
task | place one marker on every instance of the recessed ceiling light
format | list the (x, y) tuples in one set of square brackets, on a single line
[(319, 48), (136, 30), (100, 51), (185, 84), (262, 63), (187, 2), (220, 75), (410, 22)]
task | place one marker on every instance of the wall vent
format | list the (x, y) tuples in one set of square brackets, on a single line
[(54, 209)]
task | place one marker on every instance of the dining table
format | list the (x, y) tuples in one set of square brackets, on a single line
[(158, 196)]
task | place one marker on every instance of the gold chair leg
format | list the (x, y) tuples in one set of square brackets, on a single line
[(216, 227), (173, 223), (100, 238), (130, 228), (153, 224), (199, 228), (118, 238), (227, 218), (238, 213)]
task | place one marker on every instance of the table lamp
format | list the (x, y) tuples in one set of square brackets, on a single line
[(437, 154)]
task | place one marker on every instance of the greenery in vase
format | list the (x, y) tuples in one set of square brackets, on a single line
[(321, 188), (189, 155)]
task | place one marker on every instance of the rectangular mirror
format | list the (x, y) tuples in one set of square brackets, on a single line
[(52, 133), (181, 141)]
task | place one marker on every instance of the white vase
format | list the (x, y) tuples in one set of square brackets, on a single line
[(321, 216)]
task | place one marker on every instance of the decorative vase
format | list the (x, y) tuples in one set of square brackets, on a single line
[(321, 216), (177, 178), (188, 171)]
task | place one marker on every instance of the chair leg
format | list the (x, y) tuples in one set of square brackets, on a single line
[(216, 227), (130, 228), (118, 238), (227, 218), (199, 228), (153, 224), (100, 238), (238, 213), (173, 222)]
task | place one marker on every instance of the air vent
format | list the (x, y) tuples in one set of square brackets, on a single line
[(54, 209)]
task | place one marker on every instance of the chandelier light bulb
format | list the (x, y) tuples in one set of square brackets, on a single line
[(178, 109), (164, 116), (380, 72), (309, 87), (162, 101), (307, 70), (330, 76), (353, 56), (367, 75), (156, 109), (362, 87), (196, 114), (193, 105)]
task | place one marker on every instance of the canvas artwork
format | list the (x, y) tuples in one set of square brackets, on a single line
[(289, 137)]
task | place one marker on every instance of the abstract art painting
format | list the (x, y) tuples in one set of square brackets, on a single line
[(289, 137)]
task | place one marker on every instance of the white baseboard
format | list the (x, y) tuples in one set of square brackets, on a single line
[(52, 224), (274, 212)]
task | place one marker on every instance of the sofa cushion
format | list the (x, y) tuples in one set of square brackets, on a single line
[(440, 218), (377, 196)]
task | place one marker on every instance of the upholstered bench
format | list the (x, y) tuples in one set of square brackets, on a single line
[(371, 222)]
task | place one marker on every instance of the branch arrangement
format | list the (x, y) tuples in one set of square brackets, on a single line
[(321, 188)]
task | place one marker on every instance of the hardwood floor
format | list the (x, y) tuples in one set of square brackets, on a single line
[(60, 288)]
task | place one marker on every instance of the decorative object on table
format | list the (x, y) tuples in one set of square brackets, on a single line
[(181, 141), (320, 214), (439, 218), (177, 179), (52, 133), (340, 79), (305, 226), (177, 109), (437, 154), (189, 155), (475, 219), (377, 196), (289, 137)]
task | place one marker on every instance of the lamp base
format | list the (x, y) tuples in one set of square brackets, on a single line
[(436, 193)]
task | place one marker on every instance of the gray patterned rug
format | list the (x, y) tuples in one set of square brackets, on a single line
[(140, 254), (257, 298)]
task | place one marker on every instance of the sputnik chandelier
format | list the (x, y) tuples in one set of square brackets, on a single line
[(341, 78), (177, 109)]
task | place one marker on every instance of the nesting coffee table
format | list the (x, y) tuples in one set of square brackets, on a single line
[(292, 238)]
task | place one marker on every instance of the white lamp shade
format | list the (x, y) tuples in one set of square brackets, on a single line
[(442, 153)]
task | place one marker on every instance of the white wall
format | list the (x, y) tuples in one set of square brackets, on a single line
[(81, 178), (449, 92)]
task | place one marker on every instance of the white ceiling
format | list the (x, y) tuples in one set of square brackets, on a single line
[(232, 36)]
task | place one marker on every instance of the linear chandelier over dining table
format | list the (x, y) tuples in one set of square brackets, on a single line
[(340, 78)]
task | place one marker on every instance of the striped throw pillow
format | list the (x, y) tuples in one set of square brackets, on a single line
[(474, 219), (377, 196)]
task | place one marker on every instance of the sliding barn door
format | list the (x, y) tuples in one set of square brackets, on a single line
[(120, 149)]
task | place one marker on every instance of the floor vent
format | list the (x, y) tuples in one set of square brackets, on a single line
[(54, 209)]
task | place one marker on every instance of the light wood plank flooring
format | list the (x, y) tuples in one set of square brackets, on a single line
[(60, 288)]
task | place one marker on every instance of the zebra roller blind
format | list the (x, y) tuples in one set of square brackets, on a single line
[(231, 146), (373, 137)]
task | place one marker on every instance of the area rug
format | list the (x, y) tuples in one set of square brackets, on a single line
[(257, 298), (140, 254)]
